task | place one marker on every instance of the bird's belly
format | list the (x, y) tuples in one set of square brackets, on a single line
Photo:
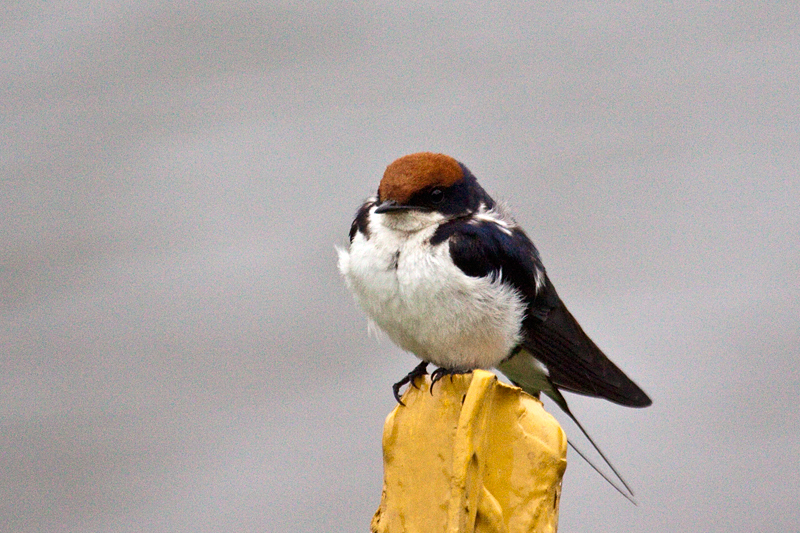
[(428, 306)]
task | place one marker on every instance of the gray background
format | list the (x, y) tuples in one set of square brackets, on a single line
[(177, 351)]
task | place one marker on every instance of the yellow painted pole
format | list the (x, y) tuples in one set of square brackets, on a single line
[(476, 456)]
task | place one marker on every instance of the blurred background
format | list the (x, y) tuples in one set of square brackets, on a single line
[(177, 350)]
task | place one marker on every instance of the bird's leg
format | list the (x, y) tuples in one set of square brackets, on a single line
[(439, 373), (419, 370)]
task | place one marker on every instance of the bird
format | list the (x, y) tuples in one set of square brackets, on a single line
[(446, 272)]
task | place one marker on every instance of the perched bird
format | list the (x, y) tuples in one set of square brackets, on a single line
[(444, 270)]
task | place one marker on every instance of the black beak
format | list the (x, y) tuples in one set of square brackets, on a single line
[(390, 206)]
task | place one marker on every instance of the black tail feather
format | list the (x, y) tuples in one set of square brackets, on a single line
[(557, 397), (627, 495)]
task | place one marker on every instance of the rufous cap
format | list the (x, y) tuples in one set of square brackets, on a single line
[(415, 172)]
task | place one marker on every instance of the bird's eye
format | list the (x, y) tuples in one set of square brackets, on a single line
[(436, 196)]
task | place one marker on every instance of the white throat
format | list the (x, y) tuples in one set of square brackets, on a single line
[(408, 221)]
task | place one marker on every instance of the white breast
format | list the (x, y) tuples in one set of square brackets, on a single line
[(427, 305)]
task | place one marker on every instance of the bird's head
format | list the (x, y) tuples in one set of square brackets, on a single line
[(421, 189)]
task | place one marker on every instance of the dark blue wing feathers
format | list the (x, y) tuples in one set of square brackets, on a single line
[(361, 221), (550, 333), (482, 248)]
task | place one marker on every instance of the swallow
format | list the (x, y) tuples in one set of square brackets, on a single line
[(449, 276)]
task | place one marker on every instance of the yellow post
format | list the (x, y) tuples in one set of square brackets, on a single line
[(476, 456)]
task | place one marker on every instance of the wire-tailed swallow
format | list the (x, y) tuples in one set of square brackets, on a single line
[(445, 271)]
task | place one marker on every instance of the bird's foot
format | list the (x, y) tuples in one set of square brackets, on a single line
[(419, 370), (439, 373)]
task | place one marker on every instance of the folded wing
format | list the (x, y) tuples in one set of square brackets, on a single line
[(550, 333)]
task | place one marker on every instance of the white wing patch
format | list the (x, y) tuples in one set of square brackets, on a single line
[(538, 278), (496, 216)]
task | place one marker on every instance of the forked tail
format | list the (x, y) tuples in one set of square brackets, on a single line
[(555, 395)]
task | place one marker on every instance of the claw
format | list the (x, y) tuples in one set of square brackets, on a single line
[(396, 390), (439, 373), (419, 370)]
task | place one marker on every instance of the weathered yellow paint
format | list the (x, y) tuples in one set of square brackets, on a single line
[(475, 456)]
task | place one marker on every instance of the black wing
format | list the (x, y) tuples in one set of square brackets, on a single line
[(361, 221), (574, 362), (551, 334)]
